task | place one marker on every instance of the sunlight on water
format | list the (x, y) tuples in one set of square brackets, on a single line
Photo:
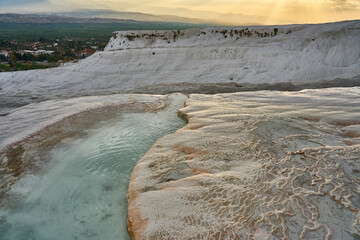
[(82, 194)]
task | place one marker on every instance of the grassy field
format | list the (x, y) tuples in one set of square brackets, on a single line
[(99, 31)]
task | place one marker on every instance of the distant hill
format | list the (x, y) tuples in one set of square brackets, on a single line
[(88, 13), (93, 16), (22, 27), (35, 18)]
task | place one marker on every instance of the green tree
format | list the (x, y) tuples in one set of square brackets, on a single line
[(276, 30), (3, 58)]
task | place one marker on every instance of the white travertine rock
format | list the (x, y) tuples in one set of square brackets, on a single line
[(26, 121), (264, 165), (134, 59)]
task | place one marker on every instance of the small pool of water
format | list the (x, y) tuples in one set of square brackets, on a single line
[(82, 192)]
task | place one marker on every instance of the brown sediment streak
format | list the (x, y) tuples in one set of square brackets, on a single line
[(346, 122), (136, 224), (352, 142), (354, 134), (193, 152), (195, 126), (183, 115), (21, 156), (197, 171)]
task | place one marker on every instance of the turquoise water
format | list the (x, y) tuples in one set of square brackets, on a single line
[(82, 192)]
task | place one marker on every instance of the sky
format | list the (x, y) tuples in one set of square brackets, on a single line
[(227, 11)]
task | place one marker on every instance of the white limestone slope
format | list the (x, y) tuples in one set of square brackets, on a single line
[(212, 55)]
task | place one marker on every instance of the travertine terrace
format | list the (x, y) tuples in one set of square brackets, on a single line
[(264, 166)]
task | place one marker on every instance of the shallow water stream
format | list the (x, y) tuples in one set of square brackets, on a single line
[(81, 193)]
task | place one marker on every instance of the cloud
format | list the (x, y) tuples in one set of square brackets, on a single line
[(31, 6), (344, 4), (10, 3), (226, 11)]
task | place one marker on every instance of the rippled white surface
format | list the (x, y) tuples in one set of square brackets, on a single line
[(255, 165), (82, 194)]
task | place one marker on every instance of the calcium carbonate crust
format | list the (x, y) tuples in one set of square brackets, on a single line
[(270, 165)]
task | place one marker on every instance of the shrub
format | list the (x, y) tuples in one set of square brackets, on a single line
[(276, 30)]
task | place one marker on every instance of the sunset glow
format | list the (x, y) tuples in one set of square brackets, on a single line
[(220, 11)]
